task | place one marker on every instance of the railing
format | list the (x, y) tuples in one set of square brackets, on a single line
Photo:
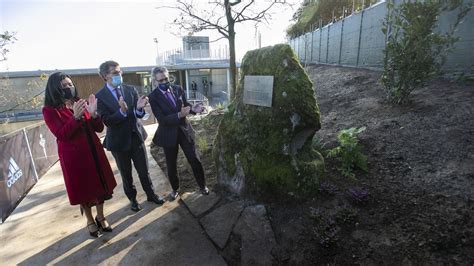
[(178, 56), (196, 97), (21, 116)]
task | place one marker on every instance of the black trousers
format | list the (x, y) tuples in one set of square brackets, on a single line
[(171, 154), (124, 159)]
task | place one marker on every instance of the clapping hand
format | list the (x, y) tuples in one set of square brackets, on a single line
[(184, 111), (142, 102), (92, 106), (123, 105), (78, 108), (198, 108)]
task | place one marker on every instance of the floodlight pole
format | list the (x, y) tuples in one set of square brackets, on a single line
[(157, 52)]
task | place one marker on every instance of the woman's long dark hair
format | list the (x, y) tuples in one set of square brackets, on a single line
[(53, 95)]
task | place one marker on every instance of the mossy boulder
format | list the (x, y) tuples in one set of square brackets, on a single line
[(267, 151)]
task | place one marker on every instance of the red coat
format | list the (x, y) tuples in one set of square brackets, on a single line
[(84, 182)]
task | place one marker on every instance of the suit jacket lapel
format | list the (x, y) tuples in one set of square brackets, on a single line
[(110, 99), (127, 96), (163, 98)]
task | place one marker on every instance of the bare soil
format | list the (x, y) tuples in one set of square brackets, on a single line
[(420, 181), (413, 206)]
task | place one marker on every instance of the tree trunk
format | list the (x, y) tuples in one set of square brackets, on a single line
[(233, 66)]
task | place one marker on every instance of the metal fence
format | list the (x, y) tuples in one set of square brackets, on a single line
[(25, 155), (358, 41)]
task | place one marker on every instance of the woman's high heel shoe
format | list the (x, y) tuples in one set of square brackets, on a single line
[(93, 230), (103, 225)]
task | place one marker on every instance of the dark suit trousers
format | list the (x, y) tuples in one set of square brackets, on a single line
[(124, 163), (171, 154)]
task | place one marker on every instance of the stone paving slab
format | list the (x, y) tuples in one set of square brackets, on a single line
[(257, 236), (45, 229), (220, 222), (198, 203)]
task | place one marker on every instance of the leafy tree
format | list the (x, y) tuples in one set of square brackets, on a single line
[(12, 99), (223, 16), (312, 12), (6, 39), (414, 52), (29, 98)]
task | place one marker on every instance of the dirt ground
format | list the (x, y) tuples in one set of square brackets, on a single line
[(414, 206)]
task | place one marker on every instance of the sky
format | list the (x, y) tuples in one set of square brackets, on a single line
[(75, 34)]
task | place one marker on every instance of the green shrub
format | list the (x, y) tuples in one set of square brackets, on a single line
[(319, 145), (349, 152), (414, 53), (220, 106)]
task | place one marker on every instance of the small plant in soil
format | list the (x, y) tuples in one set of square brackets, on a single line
[(359, 195), (349, 152)]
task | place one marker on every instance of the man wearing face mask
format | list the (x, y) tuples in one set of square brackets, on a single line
[(170, 107), (120, 108)]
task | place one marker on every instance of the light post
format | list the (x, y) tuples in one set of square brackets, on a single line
[(157, 52)]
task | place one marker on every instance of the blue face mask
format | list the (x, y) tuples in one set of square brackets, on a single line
[(164, 86), (117, 81)]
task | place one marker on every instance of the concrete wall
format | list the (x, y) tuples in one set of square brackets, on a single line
[(462, 57), (324, 45), (316, 46), (334, 43), (358, 41), (350, 40), (372, 39)]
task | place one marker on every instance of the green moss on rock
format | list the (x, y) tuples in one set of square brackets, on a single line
[(271, 177), (268, 149)]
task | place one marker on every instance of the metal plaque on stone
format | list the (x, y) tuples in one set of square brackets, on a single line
[(258, 90)]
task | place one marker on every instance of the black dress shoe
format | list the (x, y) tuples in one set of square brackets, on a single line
[(204, 191), (173, 195), (156, 199), (135, 206)]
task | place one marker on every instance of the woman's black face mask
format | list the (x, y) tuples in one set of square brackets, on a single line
[(68, 93)]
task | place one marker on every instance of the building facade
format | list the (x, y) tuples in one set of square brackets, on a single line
[(203, 73)]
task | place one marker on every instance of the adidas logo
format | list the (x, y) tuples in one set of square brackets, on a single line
[(14, 173)]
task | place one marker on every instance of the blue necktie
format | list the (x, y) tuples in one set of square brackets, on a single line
[(117, 92)]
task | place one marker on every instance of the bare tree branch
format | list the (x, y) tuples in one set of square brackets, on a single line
[(187, 10), (218, 39), (222, 16), (257, 17), (243, 10)]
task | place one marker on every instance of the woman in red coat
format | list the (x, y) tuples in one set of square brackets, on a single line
[(87, 174)]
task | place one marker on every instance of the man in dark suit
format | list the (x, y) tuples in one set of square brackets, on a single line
[(120, 107), (170, 107)]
